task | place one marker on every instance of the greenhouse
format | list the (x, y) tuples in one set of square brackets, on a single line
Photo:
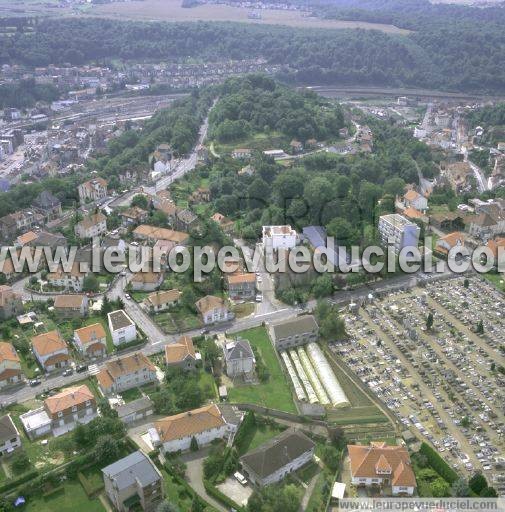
[(312, 375), (311, 394)]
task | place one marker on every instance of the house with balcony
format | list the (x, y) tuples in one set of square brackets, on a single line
[(10, 365), (51, 351), (91, 341)]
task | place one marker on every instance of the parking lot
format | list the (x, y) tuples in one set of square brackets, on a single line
[(442, 383)]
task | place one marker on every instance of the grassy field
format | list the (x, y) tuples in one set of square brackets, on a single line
[(71, 498), (171, 10), (275, 393), (356, 415)]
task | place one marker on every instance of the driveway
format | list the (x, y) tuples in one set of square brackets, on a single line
[(194, 476)]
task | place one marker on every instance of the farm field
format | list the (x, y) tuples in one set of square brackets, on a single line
[(171, 10)]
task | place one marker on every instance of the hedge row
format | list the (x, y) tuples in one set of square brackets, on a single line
[(88, 486), (438, 464), (219, 496), (12, 484)]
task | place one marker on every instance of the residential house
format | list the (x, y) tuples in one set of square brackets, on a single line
[(133, 216), (497, 247), (181, 354), (213, 309), (383, 466), (241, 153), (48, 205), (185, 220), (162, 300), (247, 170), (296, 146), (122, 327), (92, 190), (68, 281), (146, 281), (450, 221), (397, 233), (279, 237), (174, 433), (11, 303), (9, 436), (51, 351), (10, 365), (71, 306), (239, 358), (446, 243), (134, 483), (153, 234), (46, 239), (26, 238), (19, 221), (61, 413), (224, 223), (486, 225), (94, 225), (241, 286), (294, 332), (277, 458), (91, 340), (126, 372)]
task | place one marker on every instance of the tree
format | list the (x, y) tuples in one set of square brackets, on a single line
[(106, 306), (90, 284), (194, 444), (197, 505), (140, 201), (477, 483), (465, 422), (480, 328), (167, 506), (466, 282), (460, 488), (429, 321), (20, 462), (323, 286), (489, 492), (440, 488), (107, 449)]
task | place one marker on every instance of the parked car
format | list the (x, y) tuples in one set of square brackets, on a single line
[(81, 368), (68, 372), (35, 382)]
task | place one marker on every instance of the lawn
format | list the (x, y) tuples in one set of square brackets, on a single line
[(262, 434), (275, 393), (244, 309), (356, 415), (71, 498), (131, 394), (258, 142), (207, 384), (178, 320), (498, 280)]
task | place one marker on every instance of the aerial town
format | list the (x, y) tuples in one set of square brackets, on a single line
[(130, 382)]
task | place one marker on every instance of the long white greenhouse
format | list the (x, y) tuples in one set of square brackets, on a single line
[(314, 379), (326, 375), (311, 394), (300, 392)]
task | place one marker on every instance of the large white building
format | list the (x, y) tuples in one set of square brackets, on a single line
[(279, 237), (205, 424), (398, 232), (122, 327)]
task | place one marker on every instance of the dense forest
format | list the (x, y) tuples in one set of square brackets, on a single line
[(465, 53), (492, 115), (26, 93), (258, 104)]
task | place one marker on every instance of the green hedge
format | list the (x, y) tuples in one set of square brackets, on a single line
[(438, 464), (12, 484), (88, 487), (216, 493), (245, 432)]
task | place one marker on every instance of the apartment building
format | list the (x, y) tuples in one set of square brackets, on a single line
[(398, 232)]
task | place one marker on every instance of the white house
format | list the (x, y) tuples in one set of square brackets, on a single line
[(92, 190), (127, 372), (413, 199), (10, 365), (91, 340), (384, 466), (9, 435), (205, 424), (122, 327), (94, 225), (277, 458), (239, 358), (279, 237), (213, 309), (50, 350)]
